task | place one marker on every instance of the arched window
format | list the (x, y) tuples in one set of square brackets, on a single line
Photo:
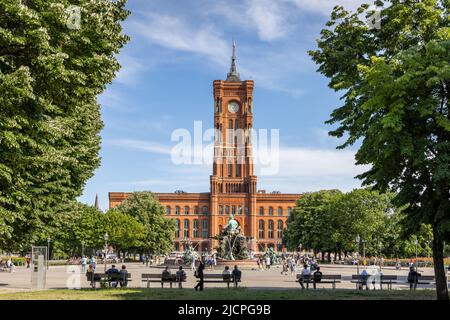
[(205, 210), (238, 170), (220, 209), (270, 211), (239, 210), (280, 229), (195, 228), (168, 210), (270, 229), (196, 210), (280, 211), (177, 210), (230, 131), (230, 170), (233, 210), (289, 211), (261, 211), (261, 229), (246, 211), (205, 229), (186, 228), (177, 228), (186, 210), (227, 210)]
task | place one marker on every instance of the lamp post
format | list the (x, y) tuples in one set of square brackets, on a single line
[(416, 242), (106, 237), (82, 248), (380, 245), (358, 239), (48, 250)]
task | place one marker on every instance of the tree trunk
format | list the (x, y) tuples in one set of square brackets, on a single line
[(439, 268)]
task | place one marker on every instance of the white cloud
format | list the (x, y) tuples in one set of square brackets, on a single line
[(130, 68), (267, 18), (146, 146), (297, 168), (173, 32), (326, 6)]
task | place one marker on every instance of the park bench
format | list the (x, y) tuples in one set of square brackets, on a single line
[(325, 279), (157, 278), (360, 281), (107, 279), (219, 278), (424, 280)]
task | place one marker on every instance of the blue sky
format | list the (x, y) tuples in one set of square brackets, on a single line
[(177, 49)]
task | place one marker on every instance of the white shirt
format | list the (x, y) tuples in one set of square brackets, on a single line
[(306, 272)]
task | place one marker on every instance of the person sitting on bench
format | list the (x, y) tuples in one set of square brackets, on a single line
[(113, 274), (166, 275), (226, 274), (305, 275), (236, 275), (123, 276), (181, 276), (363, 277), (317, 277)]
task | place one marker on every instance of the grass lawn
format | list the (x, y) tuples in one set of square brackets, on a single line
[(218, 294)]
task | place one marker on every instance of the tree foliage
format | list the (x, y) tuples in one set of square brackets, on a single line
[(331, 221), (50, 121), (146, 208), (396, 80)]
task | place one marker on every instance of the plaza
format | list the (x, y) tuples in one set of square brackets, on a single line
[(252, 278)]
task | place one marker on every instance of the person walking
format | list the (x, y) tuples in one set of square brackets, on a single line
[(192, 262), (83, 264), (413, 278), (93, 263), (267, 262), (199, 275)]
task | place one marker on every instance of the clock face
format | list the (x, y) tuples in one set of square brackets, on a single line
[(233, 107)]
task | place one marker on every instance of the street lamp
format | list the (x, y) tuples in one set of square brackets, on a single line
[(82, 248), (416, 242), (106, 237), (380, 245), (48, 250), (358, 239)]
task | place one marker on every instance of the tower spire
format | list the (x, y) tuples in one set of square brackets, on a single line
[(233, 75)]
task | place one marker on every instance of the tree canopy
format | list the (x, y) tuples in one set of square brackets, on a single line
[(146, 208), (331, 221), (50, 76), (396, 82)]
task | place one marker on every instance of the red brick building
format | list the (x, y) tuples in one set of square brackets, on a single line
[(233, 186)]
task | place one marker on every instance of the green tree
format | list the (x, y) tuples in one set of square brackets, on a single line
[(125, 232), (146, 208), (396, 81), (309, 225), (50, 76), (74, 225)]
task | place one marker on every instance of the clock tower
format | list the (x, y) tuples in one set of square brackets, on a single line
[(233, 179)]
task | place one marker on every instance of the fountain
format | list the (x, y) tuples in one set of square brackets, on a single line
[(233, 245)]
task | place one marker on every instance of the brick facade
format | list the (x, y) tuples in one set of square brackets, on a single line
[(233, 185)]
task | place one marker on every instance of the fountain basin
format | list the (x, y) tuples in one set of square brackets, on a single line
[(240, 263)]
